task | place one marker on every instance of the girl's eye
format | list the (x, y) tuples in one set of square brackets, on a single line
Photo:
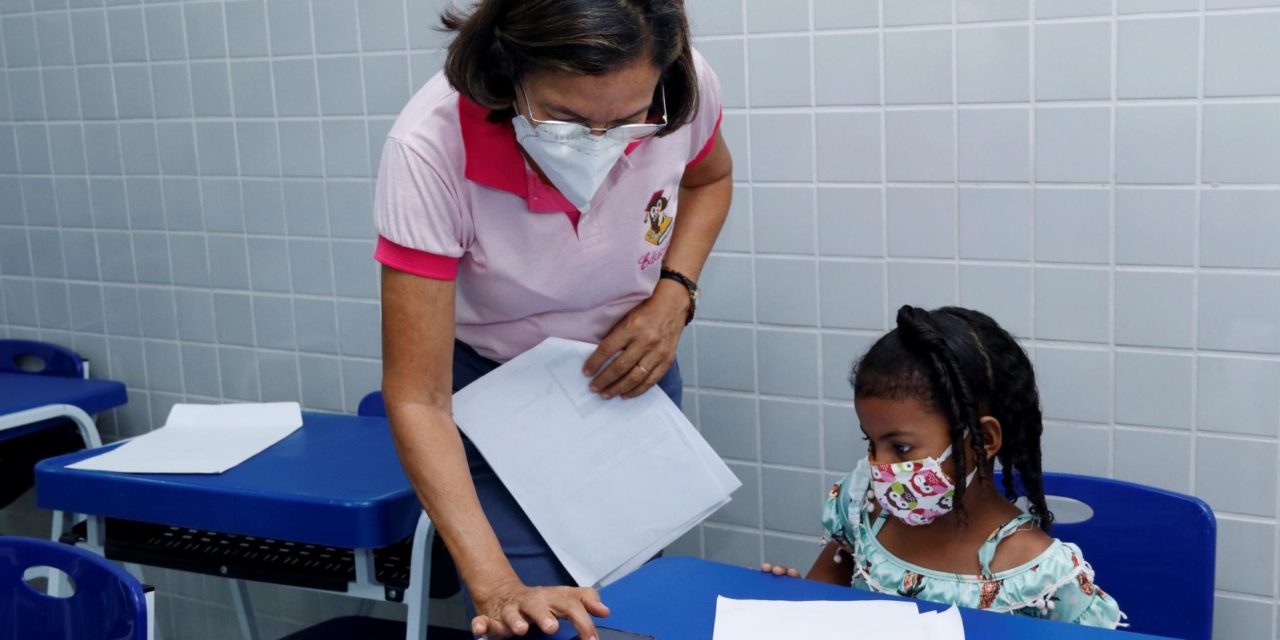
[(902, 449)]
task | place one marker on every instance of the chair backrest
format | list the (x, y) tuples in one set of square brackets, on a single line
[(41, 358), (372, 405), (106, 602), (1153, 551)]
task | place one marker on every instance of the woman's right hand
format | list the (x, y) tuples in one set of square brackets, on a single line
[(507, 609), (779, 570)]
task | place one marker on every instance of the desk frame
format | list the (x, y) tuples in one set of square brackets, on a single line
[(365, 586)]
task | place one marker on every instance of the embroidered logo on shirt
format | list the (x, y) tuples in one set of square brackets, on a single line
[(659, 222)]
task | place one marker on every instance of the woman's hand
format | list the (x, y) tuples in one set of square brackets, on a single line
[(507, 609), (644, 341), (779, 570)]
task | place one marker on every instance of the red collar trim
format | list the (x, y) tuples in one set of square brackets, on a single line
[(493, 158)]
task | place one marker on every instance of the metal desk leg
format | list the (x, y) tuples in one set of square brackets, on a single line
[(57, 585), (418, 595), (244, 610)]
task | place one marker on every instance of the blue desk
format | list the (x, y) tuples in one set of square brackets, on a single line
[(27, 401), (675, 599), (335, 482)]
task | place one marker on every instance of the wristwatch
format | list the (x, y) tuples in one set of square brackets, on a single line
[(668, 274)]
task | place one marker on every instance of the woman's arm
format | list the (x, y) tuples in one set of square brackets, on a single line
[(417, 379), (705, 193), (649, 334)]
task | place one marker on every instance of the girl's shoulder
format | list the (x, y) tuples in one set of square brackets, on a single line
[(1058, 584), (842, 512), (1045, 578)]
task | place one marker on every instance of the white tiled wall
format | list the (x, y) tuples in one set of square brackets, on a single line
[(1101, 176), (185, 194), (185, 187)]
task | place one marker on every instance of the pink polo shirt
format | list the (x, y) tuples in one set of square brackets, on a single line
[(456, 200)]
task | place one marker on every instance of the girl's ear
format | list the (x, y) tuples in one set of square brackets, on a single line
[(992, 435)]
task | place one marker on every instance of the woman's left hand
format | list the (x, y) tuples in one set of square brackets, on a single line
[(644, 342)]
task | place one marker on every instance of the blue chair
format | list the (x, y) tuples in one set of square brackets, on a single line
[(1153, 551), (22, 447), (372, 405), (40, 358), (107, 603)]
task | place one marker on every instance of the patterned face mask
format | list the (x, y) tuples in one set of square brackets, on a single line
[(916, 492)]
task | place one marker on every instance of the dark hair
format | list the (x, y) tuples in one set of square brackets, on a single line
[(964, 365), (499, 41)]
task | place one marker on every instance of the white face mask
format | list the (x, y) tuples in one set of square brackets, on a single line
[(577, 165)]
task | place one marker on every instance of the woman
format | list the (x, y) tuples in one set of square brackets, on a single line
[(531, 190)]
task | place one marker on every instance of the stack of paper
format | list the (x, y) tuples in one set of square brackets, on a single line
[(608, 483), (200, 438), (772, 619)]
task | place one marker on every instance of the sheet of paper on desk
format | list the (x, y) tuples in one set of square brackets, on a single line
[(202, 439), (608, 483), (771, 619)]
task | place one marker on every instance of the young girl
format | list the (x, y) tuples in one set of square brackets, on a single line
[(940, 399)]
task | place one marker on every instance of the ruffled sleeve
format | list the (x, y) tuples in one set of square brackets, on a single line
[(1061, 588), (1080, 601), (842, 513)]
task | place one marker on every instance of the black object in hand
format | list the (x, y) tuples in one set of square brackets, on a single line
[(605, 633)]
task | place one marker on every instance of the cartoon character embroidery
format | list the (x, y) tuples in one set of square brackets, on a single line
[(990, 589), (912, 585), (928, 483), (659, 222)]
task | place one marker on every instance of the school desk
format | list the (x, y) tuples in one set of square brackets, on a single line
[(674, 598)]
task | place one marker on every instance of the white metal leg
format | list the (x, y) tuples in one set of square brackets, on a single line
[(244, 610), (57, 585), (88, 430), (418, 595)]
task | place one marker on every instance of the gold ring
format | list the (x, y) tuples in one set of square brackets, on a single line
[(646, 371)]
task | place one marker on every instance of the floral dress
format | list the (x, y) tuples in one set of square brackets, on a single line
[(1056, 585)]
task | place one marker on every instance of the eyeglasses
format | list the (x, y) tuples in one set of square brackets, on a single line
[(570, 131)]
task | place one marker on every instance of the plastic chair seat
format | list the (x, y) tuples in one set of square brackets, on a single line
[(107, 603)]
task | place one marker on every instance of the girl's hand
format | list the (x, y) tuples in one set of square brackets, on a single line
[(644, 342), (508, 609), (779, 570)]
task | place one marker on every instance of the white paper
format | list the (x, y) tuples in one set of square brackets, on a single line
[(608, 483), (202, 439), (943, 625), (772, 619)]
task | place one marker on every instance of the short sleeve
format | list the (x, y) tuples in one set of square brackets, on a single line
[(1079, 600), (1061, 587), (706, 122), (418, 215), (835, 516)]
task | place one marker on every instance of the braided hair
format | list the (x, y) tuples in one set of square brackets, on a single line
[(963, 365)]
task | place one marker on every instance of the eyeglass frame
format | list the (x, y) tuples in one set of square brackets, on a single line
[(586, 131)]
